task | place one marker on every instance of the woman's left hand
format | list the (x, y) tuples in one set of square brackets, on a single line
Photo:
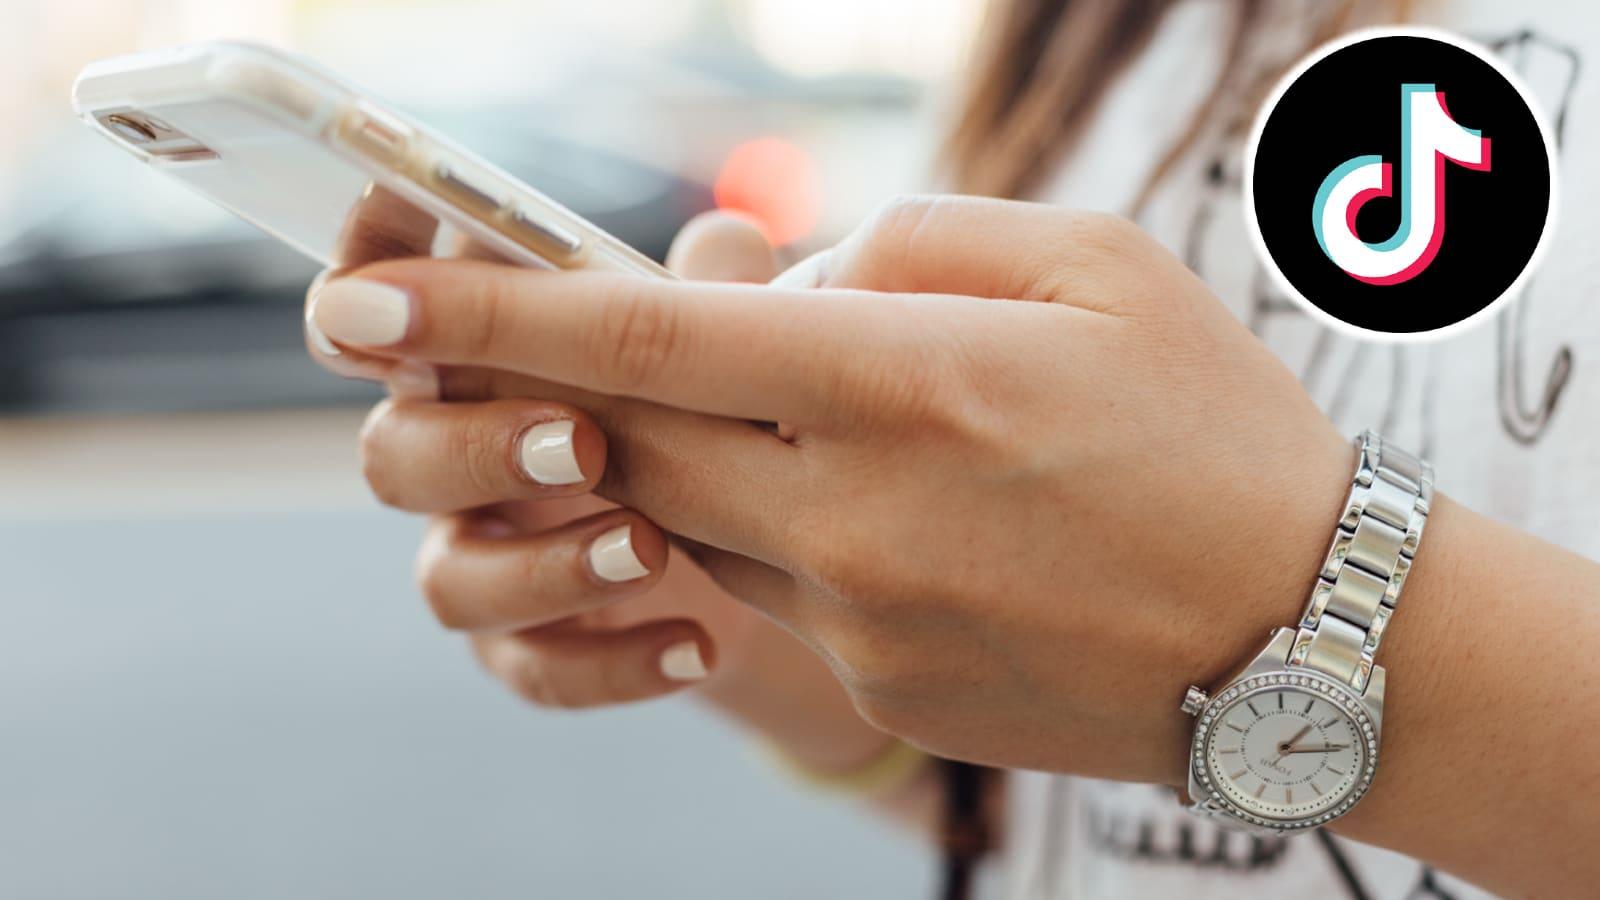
[(1016, 530)]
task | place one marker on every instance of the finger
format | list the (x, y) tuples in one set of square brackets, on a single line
[(811, 272), (441, 457), (718, 246), (384, 225), (720, 481), (483, 579), (380, 225), (575, 669), (983, 247), (744, 351), (767, 588), (408, 378), (345, 364)]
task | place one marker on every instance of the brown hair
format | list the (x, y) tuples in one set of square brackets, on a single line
[(1041, 68)]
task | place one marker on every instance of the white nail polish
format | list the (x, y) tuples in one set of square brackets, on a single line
[(682, 662), (412, 380), (547, 455), (807, 273), (612, 557), (360, 312), (317, 338)]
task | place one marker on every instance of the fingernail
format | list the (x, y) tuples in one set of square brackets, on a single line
[(318, 339), (360, 312), (612, 557), (546, 453), (414, 380), (682, 662), (807, 273)]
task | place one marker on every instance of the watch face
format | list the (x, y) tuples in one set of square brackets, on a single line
[(1285, 750)]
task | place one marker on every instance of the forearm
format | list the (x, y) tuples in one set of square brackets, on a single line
[(1492, 719)]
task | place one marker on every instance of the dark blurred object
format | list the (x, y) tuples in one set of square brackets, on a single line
[(206, 326), (966, 835)]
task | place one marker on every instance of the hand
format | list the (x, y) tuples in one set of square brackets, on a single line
[(1015, 529), (507, 561)]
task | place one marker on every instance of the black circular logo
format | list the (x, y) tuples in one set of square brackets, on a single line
[(1399, 182)]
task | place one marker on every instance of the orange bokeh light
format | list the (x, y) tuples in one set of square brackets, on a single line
[(773, 182)]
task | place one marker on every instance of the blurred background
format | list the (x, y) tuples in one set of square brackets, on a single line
[(215, 677)]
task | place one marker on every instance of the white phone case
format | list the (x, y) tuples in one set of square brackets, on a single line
[(310, 160)]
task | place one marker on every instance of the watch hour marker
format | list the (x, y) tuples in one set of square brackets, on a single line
[(1335, 771), (1280, 702), (1288, 796), (1238, 775), (1310, 703), (1253, 711), (1317, 789), (1330, 722), (1261, 790), (1230, 750), (1235, 728)]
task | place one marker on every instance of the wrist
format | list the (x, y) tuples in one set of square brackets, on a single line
[(1429, 688), (1292, 516), (1290, 738), (778, 689)]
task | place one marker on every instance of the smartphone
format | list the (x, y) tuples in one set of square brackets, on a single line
[(323, 167)]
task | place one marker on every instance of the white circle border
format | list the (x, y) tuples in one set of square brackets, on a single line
[(1253, 225)]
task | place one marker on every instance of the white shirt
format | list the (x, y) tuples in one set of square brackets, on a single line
[(1507, 412)]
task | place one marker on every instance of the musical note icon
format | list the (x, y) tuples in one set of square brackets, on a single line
[(1429, 137)]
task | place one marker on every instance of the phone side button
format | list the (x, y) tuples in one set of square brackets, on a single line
[(463, 191), (547, 240), (374, 135)]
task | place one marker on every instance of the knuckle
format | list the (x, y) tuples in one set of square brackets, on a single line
[(634, 338), (374, 439), (1109, 226), (875, 253), (490, 304), (915, 386), (900, 216), (889, 234), (1112, 239), (433, 582), (532, 678), (535, 686), (555, 689), (534, 575), (480, 446), (612, 684)]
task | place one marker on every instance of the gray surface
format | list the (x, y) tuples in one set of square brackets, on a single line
[(260, 707)]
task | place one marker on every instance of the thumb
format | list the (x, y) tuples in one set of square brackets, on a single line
[(717, 246)]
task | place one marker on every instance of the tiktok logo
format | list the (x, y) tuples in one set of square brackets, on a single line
[(1428, 139), (1400, 263)]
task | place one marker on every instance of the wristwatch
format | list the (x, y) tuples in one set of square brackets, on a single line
[(1291, 740)]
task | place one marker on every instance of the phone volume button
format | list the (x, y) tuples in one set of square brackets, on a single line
[(463, 190), (375, 135), (546, 239)]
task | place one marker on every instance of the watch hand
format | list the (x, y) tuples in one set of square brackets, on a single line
[(1288, 746), (1328, 749)]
